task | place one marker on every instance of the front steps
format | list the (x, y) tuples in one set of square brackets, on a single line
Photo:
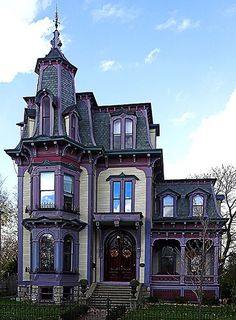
[(118, 294)]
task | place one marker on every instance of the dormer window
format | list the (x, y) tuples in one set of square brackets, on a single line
[(46, 116), (198, 206), (168, 206), (72, 125), (123, 132)]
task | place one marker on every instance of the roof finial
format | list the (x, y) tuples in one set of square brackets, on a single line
[(56, 42), (56, 19)]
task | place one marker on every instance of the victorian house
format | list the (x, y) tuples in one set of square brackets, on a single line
[(92, 199)]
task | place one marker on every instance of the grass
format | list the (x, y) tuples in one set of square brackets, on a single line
[(182, 312)]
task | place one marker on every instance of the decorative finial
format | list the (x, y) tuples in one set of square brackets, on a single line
[(56, 42), (56, 19)]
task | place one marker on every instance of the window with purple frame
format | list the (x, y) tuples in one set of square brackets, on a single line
[(46, 116)]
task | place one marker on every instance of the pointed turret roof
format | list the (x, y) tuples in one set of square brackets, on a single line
[(55, 52)]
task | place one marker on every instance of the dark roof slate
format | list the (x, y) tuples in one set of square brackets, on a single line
[(185, 188)]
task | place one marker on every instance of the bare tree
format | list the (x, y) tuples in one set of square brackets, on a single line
[(200, 256), (225, 186), (8, 233)]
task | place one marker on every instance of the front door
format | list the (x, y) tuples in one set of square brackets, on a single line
[(120, 257)]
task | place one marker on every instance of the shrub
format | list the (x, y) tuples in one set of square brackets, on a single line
[(116, 313)]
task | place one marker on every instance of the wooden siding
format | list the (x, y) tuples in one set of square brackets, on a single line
[(83, 235), (26, 233)]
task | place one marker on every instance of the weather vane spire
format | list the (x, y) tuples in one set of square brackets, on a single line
[(56, 19), (56, 42)]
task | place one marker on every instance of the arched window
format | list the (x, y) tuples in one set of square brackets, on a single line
[(68, 253), (168, 206), (117, 134), (128, 134), (46, 253), (168, 260), (198, 202), (46, 116)]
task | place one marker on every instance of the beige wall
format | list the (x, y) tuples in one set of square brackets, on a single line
[(83, 235), (103, 199), (26, 233)]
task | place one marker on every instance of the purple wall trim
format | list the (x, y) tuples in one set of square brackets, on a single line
[(148, 247), (90, 171), (21, 172)]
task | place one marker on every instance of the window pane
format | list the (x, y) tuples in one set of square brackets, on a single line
[(47, 180), (128, 126), (128, 141), (198, 200), (116, 190), (46, 106), (168, 201), (117, 127), (128, 189), (116, 205), (47, 198), (68, 183), (168, 211), (117, 142), (47, 253), (68, 253), (128, 204)]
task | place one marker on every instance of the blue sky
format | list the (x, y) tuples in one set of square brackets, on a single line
[(178, 55)]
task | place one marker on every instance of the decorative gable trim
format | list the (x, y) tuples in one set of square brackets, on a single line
[(122, 176)]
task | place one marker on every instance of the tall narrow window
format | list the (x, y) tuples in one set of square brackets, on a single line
[(46, 116), (116, 196), (168, 206), (68, 254), (128, 196), (73, 124), (47, 190), (68, 192), (117, 134), (198, 206), (47, 253), (128, 134)]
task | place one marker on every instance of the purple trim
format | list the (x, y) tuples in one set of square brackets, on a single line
[(148, 217), (21, 172), (89, 168)]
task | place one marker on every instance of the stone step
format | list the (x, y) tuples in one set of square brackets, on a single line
[(118, 295)]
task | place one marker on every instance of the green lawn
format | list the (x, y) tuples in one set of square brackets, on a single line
[(182, 312)]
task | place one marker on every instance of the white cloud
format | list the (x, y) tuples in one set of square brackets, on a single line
[(107, 65), (180, 25), (183, 118), (151, 56), (23, 39), (114, 11), (212, 144)]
